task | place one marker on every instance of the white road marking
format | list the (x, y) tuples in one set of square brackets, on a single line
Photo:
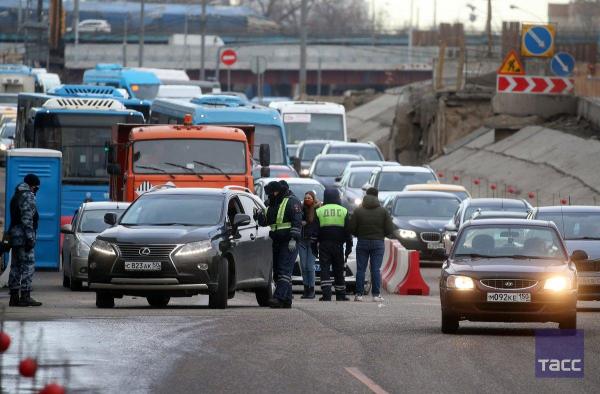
[(364, 379)]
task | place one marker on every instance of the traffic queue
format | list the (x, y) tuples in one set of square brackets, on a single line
[(214, 194)]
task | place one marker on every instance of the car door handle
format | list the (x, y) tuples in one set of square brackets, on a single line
[(252, 237)]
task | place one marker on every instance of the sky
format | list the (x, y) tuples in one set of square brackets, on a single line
[(398, 12)]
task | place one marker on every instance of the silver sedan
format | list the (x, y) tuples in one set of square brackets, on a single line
[(87, 223)]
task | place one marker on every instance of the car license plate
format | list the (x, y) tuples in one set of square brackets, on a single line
[(509, 297), (435, 245), (142, 266), (588, 280), (317, 268)]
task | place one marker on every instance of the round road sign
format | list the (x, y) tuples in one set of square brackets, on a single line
[(228, 57)]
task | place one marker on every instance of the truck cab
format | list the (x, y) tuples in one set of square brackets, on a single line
[(144, 157), (139, 84)]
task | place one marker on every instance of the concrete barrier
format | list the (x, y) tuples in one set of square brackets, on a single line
[(401, 272)]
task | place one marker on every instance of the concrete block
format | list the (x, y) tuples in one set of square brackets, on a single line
[(541, 105)]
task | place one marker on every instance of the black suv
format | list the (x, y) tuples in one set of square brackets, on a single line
[(183, 242)]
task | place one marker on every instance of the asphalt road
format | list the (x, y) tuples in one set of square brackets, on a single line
[(395, 346)]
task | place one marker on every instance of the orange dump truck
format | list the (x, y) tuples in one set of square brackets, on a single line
[(145, 156)]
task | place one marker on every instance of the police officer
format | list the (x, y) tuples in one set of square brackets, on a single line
[(333, 221), (23, 227), (284, 215)]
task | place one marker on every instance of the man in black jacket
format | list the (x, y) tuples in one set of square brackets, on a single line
[(284, 215), (333, 221)]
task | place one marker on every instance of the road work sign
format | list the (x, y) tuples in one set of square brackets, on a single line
[(512, 65), (537, 40), (562, 64), (534, 84)]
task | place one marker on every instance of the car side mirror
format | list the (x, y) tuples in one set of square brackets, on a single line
[(113, 169), (297, 164), (66, 229), (338, 178), (450, 227), (579, 255), (365, 187), (110, 218), (264, 155), (241, 219)]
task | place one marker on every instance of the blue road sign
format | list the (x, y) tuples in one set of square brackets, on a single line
[(538, 40), (562, 64)]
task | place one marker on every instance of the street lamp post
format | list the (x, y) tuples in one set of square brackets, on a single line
[(516, 7)]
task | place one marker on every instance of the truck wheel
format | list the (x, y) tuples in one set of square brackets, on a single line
[(264, 294), (158, 301), (218, 299), (569, 322), (449, 323), (104, 300)]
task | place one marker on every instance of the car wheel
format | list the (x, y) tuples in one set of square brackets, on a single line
[(66, 281), (104, 300), (449, 323), (568, 323), (75, 284), (264, 294), (218, 299), (158, 301)]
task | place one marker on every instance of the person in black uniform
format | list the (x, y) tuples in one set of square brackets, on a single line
[(284, 215), (333, 222)]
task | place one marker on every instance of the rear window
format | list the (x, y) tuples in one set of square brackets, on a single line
[(331, 167), (472, 209), (397, 181), (369, 153), (576, 225)]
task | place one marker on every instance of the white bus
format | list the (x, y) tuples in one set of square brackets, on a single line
[(312, 120)]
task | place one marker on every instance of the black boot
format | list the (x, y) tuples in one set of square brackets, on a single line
[(26, 300), (341, 298), (311, 293), (305, 293), (14, 298), (276, 303)]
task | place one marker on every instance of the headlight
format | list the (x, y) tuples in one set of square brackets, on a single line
[(194, 249), (82, 249), (558, 283), (305, 171), (409, 234), (3, 147), (460, 282), (357, 201), (103, 248)]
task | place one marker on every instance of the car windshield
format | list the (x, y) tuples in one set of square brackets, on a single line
[(302, 127), (579, 225), (519, 242), (331, 167), (310, 151), (173, 209), (300, 189), (145, 92), (358, 179), (368, 152), (397, 181), (8, 131), (193, 156), (473, 208), (426, 207), (270, 135), (92, 221)]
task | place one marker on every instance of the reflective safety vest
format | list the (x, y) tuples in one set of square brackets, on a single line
[(279, 224), (332, 215)]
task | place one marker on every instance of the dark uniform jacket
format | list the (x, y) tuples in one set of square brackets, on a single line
[(23, 217), (334, 233), (293, 215)]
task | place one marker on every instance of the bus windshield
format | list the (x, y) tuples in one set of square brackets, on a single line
[(144, 92), (269, 135), (82, 140), (302, 127)]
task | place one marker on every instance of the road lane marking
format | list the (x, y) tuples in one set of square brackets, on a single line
[(364, 379)]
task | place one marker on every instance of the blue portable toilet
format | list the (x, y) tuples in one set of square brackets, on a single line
[(46, 164)]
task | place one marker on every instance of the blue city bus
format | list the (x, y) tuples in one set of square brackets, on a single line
[(139, 84), (107, 92), (81, 129), (227, 110)]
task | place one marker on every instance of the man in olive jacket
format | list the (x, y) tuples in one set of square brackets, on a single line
[(370, 223)]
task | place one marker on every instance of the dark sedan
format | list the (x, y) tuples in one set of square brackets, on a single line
[(580, 228), (419, 218), (509, 270), (183, 242)]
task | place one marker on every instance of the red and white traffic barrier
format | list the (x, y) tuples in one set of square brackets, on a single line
[(534, 84), (401, 272)]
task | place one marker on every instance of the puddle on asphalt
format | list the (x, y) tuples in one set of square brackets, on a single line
[(100, 356)]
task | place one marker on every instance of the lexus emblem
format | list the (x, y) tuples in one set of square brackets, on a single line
[(144, 252), (508, 284)]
